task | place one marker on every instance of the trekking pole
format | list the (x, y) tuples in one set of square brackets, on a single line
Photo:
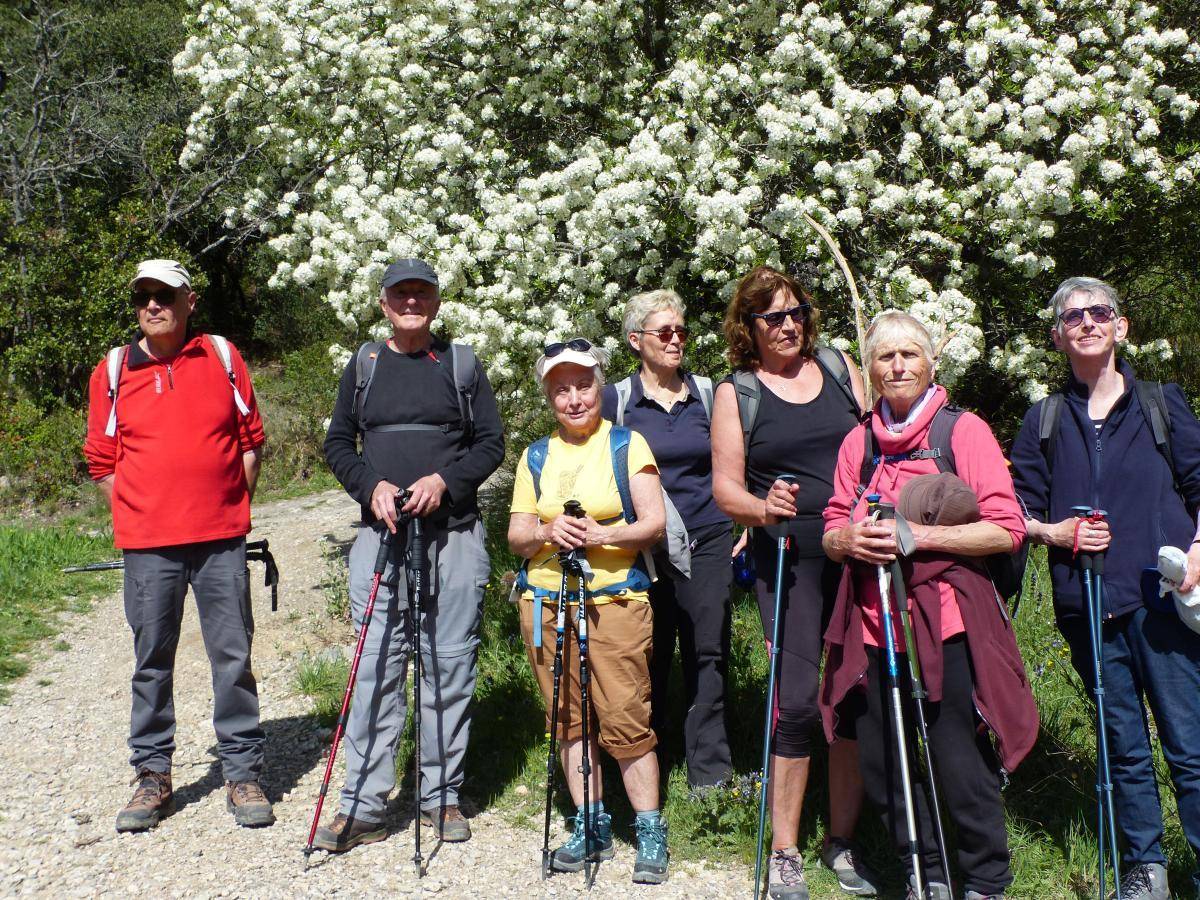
[(919, 695), (781, 546), (1092, 568), (416, 563), (889, 642), (381, 561), (560, 620)]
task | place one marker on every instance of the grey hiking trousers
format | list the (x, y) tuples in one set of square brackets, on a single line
[(156, 581), (453, 606)]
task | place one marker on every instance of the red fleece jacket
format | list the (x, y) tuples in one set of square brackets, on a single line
[(177, 453)]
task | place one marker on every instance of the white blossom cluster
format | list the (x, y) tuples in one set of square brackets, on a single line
[(549, 158)]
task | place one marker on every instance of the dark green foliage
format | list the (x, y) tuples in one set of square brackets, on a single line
[(40, 451)]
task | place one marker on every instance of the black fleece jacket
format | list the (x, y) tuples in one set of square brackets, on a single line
[(1121, 471), (415, 388)]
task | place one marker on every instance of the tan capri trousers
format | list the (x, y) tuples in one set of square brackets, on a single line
[(619, 645)]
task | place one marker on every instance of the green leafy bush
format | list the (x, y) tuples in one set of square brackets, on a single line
[(41, 455)]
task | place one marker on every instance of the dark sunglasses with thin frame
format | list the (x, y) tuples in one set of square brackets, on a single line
[(1101, 314), (774, 319), (165, 297), (552, 350)]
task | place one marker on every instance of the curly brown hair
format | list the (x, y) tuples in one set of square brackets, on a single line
[(754, 293)]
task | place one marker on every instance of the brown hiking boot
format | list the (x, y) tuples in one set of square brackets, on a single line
[(345, 833), (248, 803), (448, 823), (151, 802)]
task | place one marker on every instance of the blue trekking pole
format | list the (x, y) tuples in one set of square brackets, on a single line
[(772, 670), (1092, 568)]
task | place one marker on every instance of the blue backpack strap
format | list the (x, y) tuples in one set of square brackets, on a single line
[(535, 456), (618, 444)]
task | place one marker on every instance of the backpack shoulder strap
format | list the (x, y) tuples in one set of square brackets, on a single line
[(462, 365), (624, 389), (221, 346), (1158, 417), (535, 456), (941, 433), (364, 372), (618, 444), (114, 361), (749, 395), (704, 387), (866, 468), (832, 361), (1049, 420)]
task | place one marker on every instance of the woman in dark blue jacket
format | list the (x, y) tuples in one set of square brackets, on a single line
[(1094, 445)]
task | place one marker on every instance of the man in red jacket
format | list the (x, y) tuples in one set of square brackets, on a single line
[(174, 439)]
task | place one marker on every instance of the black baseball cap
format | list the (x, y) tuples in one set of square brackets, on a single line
[(409, 269)]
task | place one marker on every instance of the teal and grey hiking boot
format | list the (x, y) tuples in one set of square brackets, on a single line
[(843, 859), (652, 855), (569, 857), (1147, 881)]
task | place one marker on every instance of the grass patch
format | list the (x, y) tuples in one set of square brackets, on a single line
[(33, 589), (1050, 799)]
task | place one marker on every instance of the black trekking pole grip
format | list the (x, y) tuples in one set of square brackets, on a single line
[(385, 551)]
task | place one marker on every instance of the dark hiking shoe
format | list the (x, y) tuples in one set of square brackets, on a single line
[(785, 876), (345, 833), (854, 877), (448, 823), (569, 857), (934, 890), (652, 855), (1147, 881), (151, 802), (248, 803), (975, 895)]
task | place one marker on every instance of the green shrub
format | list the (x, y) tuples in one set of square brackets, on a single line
[(41, 455)]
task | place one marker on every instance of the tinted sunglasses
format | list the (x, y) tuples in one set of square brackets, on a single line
[(552, 350), (165, 297), (774, 319), (1100, 314), (665, 334)]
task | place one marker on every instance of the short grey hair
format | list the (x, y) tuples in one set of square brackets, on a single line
[(892, 324), (640, 307), (1081, 284)]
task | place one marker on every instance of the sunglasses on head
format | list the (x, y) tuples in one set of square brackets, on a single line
[(666, 333), (1100, 314), (775, 319), (552, 350), (165, 297)]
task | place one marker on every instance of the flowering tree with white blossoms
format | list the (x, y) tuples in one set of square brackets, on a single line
[(549, 158)]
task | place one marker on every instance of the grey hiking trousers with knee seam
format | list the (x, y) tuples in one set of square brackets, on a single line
[(452, 608), (156, 581)]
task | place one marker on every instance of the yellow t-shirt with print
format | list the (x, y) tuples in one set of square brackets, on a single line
[(582, 472)]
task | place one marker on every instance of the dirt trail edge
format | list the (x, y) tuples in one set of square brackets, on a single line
[(66, 763)]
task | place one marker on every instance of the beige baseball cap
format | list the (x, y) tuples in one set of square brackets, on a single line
[(168, 271), (577, 350)]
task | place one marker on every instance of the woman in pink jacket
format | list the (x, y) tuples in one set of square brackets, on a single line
[(970, 663)]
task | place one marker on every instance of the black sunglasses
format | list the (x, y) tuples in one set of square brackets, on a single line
[(665, 334), (552, 350), (775, 319), (165, 297), (1100, 314)]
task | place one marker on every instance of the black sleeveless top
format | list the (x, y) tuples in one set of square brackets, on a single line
[(800, 439)]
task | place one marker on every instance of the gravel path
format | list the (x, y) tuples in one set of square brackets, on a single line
[(64, 754)]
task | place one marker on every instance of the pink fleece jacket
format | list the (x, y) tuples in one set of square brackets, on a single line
[(978, 461)]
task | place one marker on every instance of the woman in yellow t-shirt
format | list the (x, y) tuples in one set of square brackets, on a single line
[(577, 464)]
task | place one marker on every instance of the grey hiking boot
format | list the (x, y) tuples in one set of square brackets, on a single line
[(151, 802), (652, 855), (1147, 881), (569, 857), (785, 875), (448, 823), (843, 859), (248, 803), (934, 890), (975, 895), (345, 833)]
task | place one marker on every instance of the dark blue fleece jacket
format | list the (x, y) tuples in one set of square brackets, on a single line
[(1120, 471)]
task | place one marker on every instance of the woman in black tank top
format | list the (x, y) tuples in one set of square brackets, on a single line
[(808, 399)]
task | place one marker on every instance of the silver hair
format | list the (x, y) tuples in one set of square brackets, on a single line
[(1081, 284), (640, 307), (890, 325)]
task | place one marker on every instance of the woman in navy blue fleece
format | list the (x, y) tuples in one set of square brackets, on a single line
[(1105, 456)]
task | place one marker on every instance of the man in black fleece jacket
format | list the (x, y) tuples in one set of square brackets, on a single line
[(417, 433), (1105, 457)]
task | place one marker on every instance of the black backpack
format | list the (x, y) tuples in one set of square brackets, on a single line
[(462, 373), (1007, 570)]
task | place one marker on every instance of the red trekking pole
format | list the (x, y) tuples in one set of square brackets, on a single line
[(381, 561)]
